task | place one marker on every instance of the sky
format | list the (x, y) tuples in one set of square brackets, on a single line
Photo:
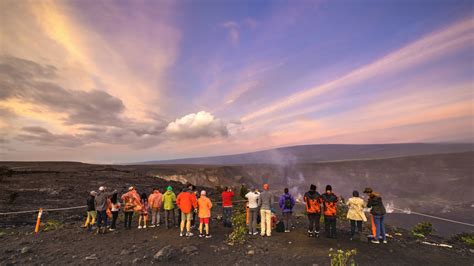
[(129, 81)]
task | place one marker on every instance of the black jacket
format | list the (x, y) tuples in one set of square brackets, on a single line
[(375, 202), (90, 203)]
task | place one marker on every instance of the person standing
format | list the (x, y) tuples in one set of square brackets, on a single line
[(186, 201), (378, 211), (286, 202), (169, 199), (115, 208), (143, 212), (101, 201), (227, 196), (356, 213), (131, 201), (253, 197), (369, 191), (313, 202), (330, 210), (155, 201), (204, 207), (91, 212), (265, 204)]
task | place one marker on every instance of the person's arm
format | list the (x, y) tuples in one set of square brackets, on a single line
[(271, 199), (281, 202)]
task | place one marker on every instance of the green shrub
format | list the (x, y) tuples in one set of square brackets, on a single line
[(2, 232), (51, 225), (239, 227), (243, 191), (342, 258), (422, 229), (342, 209), (466, 238)]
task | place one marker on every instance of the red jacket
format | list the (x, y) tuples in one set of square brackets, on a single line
[(186, 201), (227, 198)]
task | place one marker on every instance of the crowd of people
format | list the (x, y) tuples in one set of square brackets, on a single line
[(191, 204)]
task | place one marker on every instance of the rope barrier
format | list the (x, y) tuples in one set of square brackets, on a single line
[(44, 210), (434, 217)]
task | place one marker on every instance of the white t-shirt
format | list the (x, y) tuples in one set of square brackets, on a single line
[(115, 207), (253, 199)]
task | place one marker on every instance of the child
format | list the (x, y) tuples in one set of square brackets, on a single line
[(143, 212), (115, 210), (91, 213), (204, 205)]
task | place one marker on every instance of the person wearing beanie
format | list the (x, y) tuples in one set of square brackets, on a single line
[(169, 199), (265, 203), (313, 202), (329, 200)]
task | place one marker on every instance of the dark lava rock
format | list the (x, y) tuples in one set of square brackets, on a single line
[(164, 254)]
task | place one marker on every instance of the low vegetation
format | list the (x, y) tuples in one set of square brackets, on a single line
[(51, 225), (466, 238), (239, 227), (342, 209), (422, 229), (342, 258)]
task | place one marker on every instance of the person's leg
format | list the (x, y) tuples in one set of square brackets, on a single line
[(310, 223), (86, 223), (377, 228), (230, 216), (99, 219), (167, 212), (183, 221), (207, 227), (94, 217), (353, 225), (114, 220), (189, 216), (145, 220), (153, 217), (317, 221), (262, 222), (327, 226), (269, 222), (374, 227), (158, 218), (253, 220), (334, 227), (382, 228), (201, 222), (359, 226), (125, 219), (106, 223)]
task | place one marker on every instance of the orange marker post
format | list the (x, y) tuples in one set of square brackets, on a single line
[(38, 220)]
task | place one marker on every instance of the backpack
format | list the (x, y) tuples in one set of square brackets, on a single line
[(288, 203), (280, 227)]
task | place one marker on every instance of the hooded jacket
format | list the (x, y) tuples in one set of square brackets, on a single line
[(101, 200), (91, 203), (329, 204), (186, 201), (169, 198), (356, 209), (204, 205), (155, 200), (282, 204), (375, 202), (253, 198), (312, 201)]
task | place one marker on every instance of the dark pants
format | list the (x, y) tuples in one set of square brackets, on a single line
[(253, 213), (286, 220), (101, 216), (330, 226), (227, 216), (314, 219), (353, 227), (128, 219), (169, 216), (114, 220)]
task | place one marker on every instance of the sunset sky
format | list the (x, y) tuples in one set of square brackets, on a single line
[(127, 81)]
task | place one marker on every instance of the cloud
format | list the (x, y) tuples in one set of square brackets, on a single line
[(195, 125), (234, 28), (40, 135), (432, 46)]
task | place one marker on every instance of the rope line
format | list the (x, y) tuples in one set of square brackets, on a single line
[(238, 201)]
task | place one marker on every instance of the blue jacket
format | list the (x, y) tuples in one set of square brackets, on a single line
[(281, 202)]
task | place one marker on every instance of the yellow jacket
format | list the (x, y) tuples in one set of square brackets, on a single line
[(356, 209)]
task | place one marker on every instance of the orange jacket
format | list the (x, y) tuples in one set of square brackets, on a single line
[(155, 200), (132, 199), (204, 205), (186, 201)]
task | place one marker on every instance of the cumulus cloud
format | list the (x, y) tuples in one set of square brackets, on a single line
[(195, 125)]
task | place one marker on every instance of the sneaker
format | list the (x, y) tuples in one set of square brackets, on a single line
[(375, 241), (140, 227), (250, 233), (144, 226), (287, 231), (255, 233), (201, 235), (385, 241), (181, 234), (152, 226), (310, 233), (208, 236), (111, 229), (262, 234), (188, 234)]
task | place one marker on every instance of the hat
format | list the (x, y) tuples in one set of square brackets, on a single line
[(131, 188), (169, 188), (93, 193), (368, 190), (312, 187), (102, 188), (266, 186), (203, 193), (328, 187)]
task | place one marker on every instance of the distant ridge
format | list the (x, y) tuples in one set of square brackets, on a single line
[(325, 152)]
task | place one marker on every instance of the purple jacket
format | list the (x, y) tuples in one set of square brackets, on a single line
[(281, 202)]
